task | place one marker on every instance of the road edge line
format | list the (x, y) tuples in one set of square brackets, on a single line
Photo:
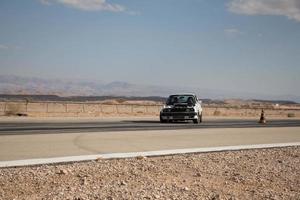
[(69, 159)]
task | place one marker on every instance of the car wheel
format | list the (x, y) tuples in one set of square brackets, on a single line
[(162, 120), (196, 121)]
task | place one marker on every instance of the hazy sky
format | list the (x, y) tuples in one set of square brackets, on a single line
[(237, 45)]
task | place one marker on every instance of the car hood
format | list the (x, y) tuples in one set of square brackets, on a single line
[(179, 106)]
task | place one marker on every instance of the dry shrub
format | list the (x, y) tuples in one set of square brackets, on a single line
[(291, 115), (217, 113), (14, 110), (120, 101)]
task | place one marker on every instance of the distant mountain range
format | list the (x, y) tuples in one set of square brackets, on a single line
[(38, 86)]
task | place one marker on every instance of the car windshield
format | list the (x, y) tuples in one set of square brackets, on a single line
[(181, 99)]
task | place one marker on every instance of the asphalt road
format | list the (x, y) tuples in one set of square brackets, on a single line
[(29, 128)]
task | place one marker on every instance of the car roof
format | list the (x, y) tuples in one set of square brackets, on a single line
[(185, 94)]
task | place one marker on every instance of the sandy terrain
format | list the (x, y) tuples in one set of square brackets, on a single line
[(248, 174)]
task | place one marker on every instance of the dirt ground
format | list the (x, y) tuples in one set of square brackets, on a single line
[(248, 174)]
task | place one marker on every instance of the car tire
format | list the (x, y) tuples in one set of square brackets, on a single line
[(198, 120), (162, 120)]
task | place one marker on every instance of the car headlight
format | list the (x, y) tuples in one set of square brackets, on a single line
[(190, 109), (167, 110)]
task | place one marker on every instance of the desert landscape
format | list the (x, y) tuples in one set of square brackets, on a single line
[(149, 100), (55, 106), (269, 173)]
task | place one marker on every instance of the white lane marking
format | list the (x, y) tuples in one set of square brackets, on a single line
[(15, 163)]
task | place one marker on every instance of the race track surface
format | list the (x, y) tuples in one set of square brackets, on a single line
[(23, 128)]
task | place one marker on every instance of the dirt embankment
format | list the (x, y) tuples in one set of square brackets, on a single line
[(248, 174)]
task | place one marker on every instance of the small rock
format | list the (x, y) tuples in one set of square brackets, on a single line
[(198, 174), (215, 197), (123, 183), (186, 189), (141, 157), (83, 181), (99, 159), (78, 198), (63, 171), (236, 174)]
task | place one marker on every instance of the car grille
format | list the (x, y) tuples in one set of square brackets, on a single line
[(179, 114), (179, 109)]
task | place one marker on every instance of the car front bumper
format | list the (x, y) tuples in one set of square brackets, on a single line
[(178, 115)]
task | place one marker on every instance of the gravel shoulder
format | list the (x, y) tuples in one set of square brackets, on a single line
[(248, 174)]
